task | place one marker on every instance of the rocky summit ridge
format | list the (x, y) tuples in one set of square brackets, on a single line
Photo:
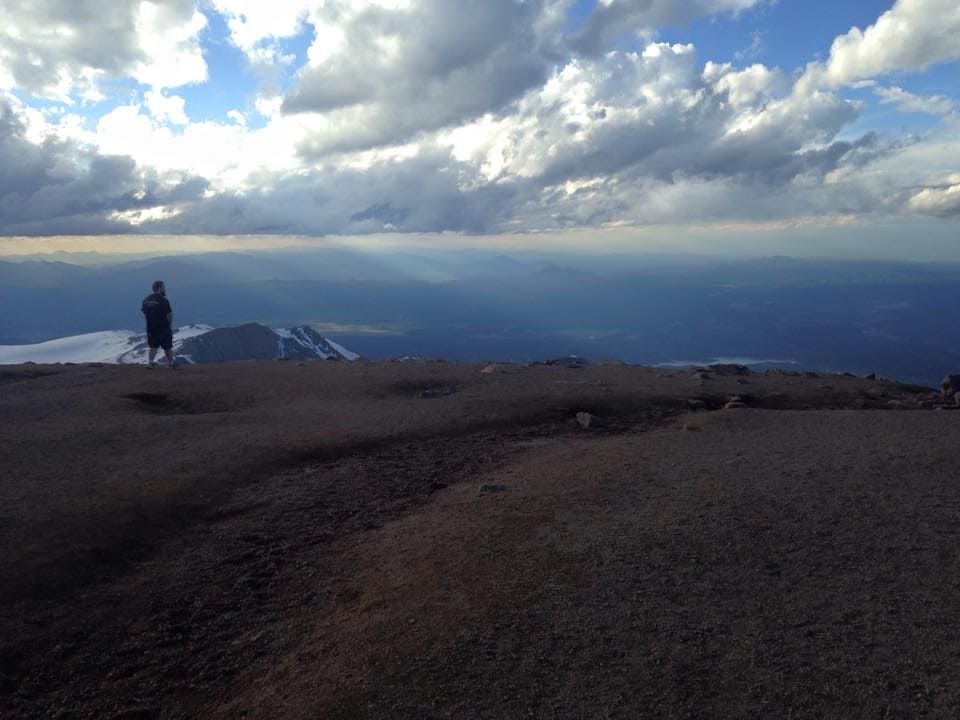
[(288, 540)]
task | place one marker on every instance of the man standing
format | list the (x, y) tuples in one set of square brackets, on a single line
[(159, 315)]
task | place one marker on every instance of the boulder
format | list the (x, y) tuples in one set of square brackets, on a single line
[(950, 385)]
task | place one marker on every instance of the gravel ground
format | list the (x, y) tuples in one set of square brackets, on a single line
[(284, 540)]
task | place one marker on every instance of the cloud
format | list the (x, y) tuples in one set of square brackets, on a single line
[(911, 36), (427, 115), (255, 24), (658, 115), (50, 185), (166, 108), (60, 48), (941, 200), (612, 19), (907, 102), (382, 71)]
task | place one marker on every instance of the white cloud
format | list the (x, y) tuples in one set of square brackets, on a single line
[(909, 103), (942, 200), (911, 36), (612, 19), (166, 108), (252, 22), (65, 48)]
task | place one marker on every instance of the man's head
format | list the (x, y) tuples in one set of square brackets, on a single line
[(159, 287)]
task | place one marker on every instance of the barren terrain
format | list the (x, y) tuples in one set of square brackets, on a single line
[(426, 540)]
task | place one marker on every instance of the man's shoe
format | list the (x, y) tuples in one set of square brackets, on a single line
[(150, 365)]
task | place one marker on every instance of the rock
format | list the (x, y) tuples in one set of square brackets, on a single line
[(870, 376), (490, 488), (586, 420), (438, 392), (730, 369), (956, 399), (499, 368), (735, 399), (950, 385), (702, 375), (734, 406), (895, 405), (695, 405)]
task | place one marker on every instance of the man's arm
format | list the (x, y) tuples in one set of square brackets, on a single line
[(169, 313)]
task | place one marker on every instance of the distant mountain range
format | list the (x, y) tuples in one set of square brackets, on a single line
[(192, 343), (477, 306)]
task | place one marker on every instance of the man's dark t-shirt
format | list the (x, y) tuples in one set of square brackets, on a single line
[(155, 308)]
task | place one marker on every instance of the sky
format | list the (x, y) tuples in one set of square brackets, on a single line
[(815, 126)]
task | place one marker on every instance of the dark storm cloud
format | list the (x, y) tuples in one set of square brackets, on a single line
[(419, 194), (57, 186), (436, 63)]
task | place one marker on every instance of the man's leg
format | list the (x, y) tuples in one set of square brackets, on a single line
[(171, 361), (151, 357)]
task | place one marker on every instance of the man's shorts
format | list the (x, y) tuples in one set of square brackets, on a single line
[(160, 339)]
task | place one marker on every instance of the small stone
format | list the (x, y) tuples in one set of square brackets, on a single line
[(438, 392), (585, 420), (734, 406)]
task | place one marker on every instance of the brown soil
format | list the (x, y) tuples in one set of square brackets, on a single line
[(324, 540)]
